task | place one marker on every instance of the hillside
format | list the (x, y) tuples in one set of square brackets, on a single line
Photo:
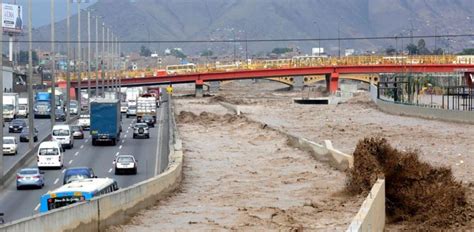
[(141, 20)]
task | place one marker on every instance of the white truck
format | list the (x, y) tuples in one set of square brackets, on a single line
[(10, 106), (23, 110), (146, 105)]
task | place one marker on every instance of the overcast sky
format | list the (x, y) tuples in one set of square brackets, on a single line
[(41, 10)]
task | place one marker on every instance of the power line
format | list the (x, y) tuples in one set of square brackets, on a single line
[(266, 40)]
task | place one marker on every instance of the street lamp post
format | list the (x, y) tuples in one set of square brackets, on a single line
[(1, 93), (53, 70), (339, 36), (103, 60), (97, 56), (319, 37), (107, 58), (89, 58), (31, 124), (79, 57), (68, 61)]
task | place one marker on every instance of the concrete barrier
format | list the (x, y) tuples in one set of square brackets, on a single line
[(233, 108), (27, 157), (113, 208), (371, 215), (324, 153)]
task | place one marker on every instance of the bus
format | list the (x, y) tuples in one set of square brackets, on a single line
[(77, 191), (181, 69)]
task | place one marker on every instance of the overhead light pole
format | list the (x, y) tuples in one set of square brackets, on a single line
[(89, 58), (319, 35), (1, 93), (68, 61), (79, 58), (102, 65), (53, 70), (97, 65), (108, 59), (31, 124)]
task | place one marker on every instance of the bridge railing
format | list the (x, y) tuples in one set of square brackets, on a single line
[(295, 62)]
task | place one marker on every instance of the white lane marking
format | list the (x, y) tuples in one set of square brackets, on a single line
[(120, 147), (64, 170), (37, 207), (70, 161), (82, 146), (87, 140), (116, 154), (110, 170), (77, 153), (123, 140), (127, 132), (158, 146), (125, 136), (56, 181)]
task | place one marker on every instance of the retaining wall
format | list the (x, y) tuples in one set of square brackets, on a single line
[(113, 208), (422, 112), (371, 215)]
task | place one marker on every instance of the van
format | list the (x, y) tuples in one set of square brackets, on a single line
[(50, 155), (63, 135)]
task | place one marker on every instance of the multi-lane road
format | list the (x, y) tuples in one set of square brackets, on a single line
[(150, 153)]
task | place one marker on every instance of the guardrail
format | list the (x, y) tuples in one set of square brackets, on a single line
[(113, 208), (26, 158)]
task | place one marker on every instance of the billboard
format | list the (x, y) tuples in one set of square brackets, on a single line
[(12, 18)]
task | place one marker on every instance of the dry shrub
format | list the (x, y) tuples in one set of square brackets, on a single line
[(207, 118), (423, 196)]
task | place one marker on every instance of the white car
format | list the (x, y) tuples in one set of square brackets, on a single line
[(50, 154), (63, 134), (10, 145), (84, 121), (125, 163)]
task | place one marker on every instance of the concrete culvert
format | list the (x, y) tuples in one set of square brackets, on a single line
[(418, 195)]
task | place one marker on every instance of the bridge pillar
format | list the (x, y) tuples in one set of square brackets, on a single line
[(214, 86), (298, 83), (469, 79), (199, 86), (332, 82)]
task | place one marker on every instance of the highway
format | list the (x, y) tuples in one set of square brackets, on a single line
[(150, 153)]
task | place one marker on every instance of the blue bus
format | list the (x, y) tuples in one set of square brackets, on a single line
[(77, 191)]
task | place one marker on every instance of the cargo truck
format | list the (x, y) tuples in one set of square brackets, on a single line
[(42, 107), (23, 107), (10, 106), (105, 121), (146, 105)]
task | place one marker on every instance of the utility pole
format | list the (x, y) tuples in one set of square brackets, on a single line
[(79, 58), (31, 124), (120, 64), (1, 92), (89, 58), (97, 56), (107, 58), (102, 60), (68, 66), (53, 71)]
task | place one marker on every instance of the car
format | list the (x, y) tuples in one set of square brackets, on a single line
[(77, 132), (140, 130), (63, 134), (50, 154), (77, 173), (85, 121), (123, 107), (73, 107), (60, 115), (17, 125), (125, 164), (29, 177), (25, 133), (149, 120), (10, 145), (131, 111)]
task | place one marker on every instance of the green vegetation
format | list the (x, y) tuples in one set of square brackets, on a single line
[(144, 51), (207, 53), (282, 50), (178, 53), (467, 51)]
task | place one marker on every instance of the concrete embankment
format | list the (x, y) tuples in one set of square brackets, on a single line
[(371, 215)]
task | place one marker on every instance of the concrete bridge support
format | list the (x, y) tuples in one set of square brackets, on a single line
[(214, 86), (199, 86), (332, 82), (298, 83)]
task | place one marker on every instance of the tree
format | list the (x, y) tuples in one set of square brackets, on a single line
[(412, 49), (144, 51), (23, 58), (281, 50), (178, 53), (390, 51), (467, 51), (422, 50), (207, 53), (439, 51)]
